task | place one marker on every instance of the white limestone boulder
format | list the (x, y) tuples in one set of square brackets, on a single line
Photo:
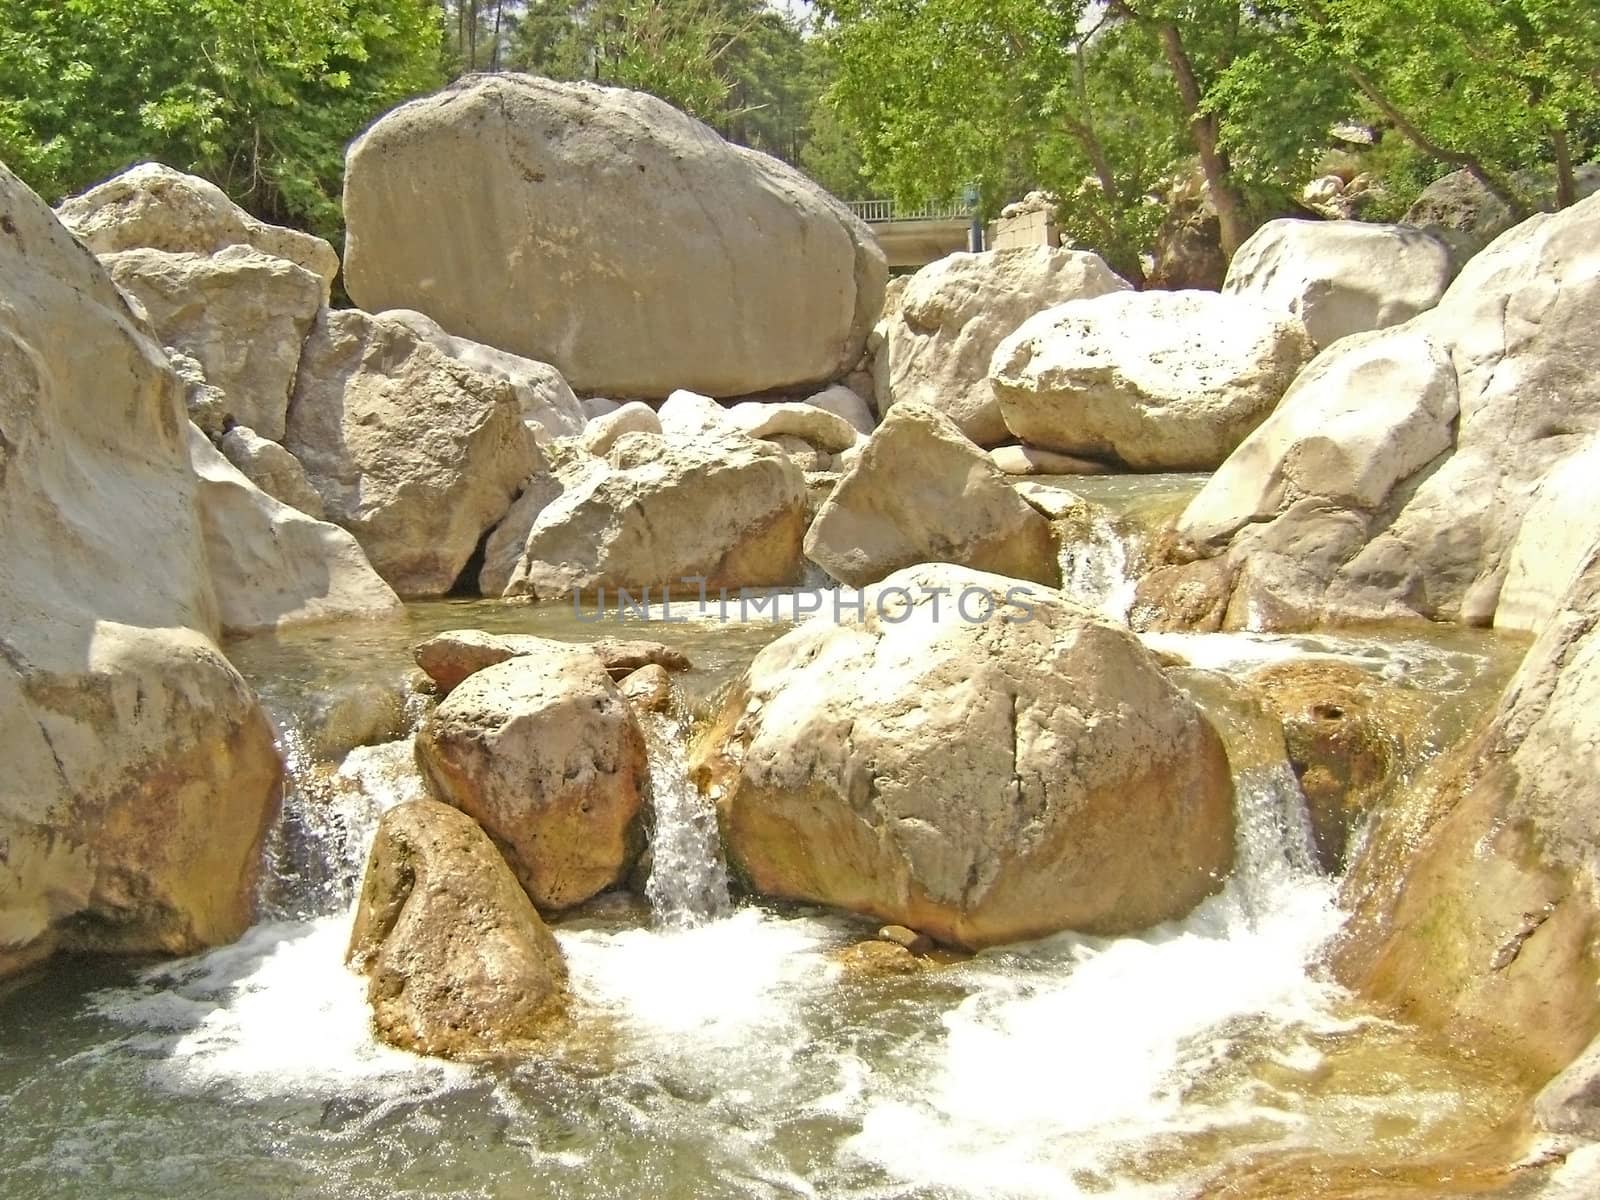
[(627, 243), (1160, 380)]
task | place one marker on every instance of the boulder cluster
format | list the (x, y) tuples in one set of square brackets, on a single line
[(651, 360)]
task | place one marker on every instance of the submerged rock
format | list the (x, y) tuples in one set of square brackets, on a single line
[(955, 313), (140, 774), (545, 754), (756, 278), (1182, 598), (458, 963), (879, 959), (989, 765), (1160, 380), (1350, 739), (921, 491), (414, 453)]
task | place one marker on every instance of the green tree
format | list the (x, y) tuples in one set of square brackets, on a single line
[(1488, 86), (1100, 103), (261, 97), (744, 68), (702, 56)]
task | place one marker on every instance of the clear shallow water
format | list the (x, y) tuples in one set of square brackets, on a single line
[(737, 1057)]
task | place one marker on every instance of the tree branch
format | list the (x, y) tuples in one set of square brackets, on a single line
[(1499, 187)]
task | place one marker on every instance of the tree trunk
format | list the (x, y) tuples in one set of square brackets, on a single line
[(1500, 187), (1566, 185), (1232, 213)]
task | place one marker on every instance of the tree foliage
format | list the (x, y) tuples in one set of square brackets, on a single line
[(261, 97), (1490, 86), (1105, 101), (738, 65)]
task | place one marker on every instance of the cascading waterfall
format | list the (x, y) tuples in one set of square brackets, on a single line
[(1097, 568), (730, 1052), (317, 852), (1071, 1053), (688, 878)]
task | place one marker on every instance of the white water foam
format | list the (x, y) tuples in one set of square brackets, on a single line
[(1065, 1058), (1074, 1052), (275, 1014), (318, 851), (1438, 668), (713, 986)]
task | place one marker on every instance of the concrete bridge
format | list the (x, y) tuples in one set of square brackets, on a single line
[(913, 238)]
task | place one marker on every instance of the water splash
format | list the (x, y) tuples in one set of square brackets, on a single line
[(1073, 1053), (1098, 567), (688, 879), (274, 1014), (317, 852)]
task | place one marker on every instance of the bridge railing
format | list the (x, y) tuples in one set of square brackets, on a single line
[(877, 212)]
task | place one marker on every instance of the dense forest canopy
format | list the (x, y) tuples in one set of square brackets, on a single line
[(1104, 102)]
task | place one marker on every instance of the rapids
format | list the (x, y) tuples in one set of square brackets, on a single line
[(724, 1050)]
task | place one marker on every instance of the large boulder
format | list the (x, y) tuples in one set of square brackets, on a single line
[(1160, 380), (763, 282), (1469, 216), (1341, 277), (1329, 441), (545, 754), (919, 492), (654, 512), (1474, 903), (458, 963), (548, 404), (1460, 208), (1561, 526), (155, 207), (271, 564), (241, 314), (956, 312), (140, 772), (413, 452), (1394, 481), (979, 760)]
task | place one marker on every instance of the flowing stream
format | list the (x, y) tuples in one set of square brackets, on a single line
[(688, 883), (725, 1049)]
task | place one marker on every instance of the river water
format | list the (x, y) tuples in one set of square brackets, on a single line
[(723, 1048)]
